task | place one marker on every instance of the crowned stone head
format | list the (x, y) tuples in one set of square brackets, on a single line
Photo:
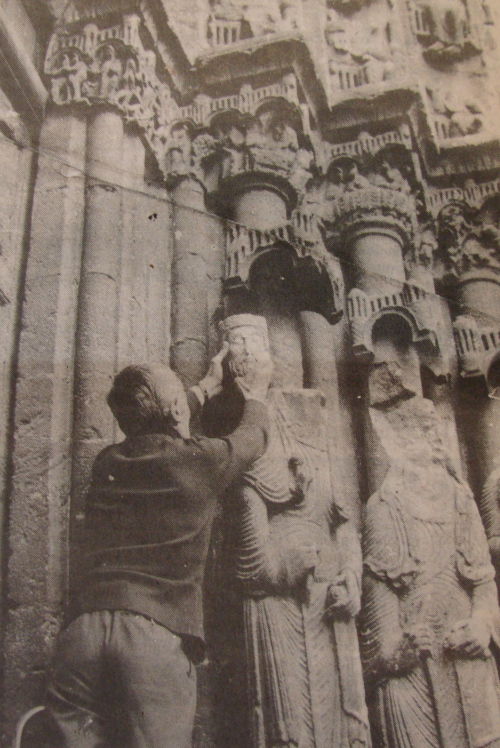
[(248, 341)]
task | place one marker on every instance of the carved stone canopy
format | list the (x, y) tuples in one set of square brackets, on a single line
[(478, 351), (316, 273), (415, 312)]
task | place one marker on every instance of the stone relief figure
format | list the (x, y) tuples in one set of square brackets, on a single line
[(272, 142), (364, 43), (446, 24), (298, 564), (389, 175), (430, 602), (262, 17), (459, 110)]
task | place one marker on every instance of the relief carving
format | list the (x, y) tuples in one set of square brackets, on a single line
[(259, 18), (430, 601), (456, 114), (298, 564), (444, 29), (379, 190), (470, 238), (360, 50)]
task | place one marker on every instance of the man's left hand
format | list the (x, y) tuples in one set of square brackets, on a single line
[(211, 384)]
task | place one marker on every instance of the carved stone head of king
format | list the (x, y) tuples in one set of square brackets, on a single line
[(248, 341)]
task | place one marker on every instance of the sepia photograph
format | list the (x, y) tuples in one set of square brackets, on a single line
[(249, 373)]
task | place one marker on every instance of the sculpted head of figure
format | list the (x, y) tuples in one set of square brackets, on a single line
[(248, 342)]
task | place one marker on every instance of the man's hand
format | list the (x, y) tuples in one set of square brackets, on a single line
[(211, 384), (469, 638), (255, 384), (343, 597)]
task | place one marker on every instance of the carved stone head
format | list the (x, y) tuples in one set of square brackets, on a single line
[(248, 342)]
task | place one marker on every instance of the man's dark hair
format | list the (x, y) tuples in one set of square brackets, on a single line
[(141, 396)]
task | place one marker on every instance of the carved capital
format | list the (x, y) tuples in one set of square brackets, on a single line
[(375, 206), (268, 144), (470, 239), (89, 63), (103, 65), (355, 196)]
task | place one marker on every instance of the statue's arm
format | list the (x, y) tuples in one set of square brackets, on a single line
[(269, 562), (257, 565), (387, 649), (471, 637)]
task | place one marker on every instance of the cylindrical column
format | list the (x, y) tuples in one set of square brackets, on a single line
[(190, 282), (260, 208), (321, 347), (377, 257), (478, 296), (96, 338)]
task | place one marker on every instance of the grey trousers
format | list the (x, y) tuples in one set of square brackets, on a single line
[(120, 680)]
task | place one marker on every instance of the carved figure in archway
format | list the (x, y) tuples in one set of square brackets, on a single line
[(298, 562), (430, 602)]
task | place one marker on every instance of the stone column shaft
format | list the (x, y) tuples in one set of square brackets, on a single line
[(190, 281), (479, 297), (321, 347), (96, 339), (378, 260)]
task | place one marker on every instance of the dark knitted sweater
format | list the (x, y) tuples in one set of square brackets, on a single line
[(149, 515)]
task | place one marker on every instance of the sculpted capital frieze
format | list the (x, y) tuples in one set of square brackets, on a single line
[(356, 196), (469, 238)]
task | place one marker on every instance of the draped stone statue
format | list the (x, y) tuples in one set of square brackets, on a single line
[(430, 611), (299, 566)]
